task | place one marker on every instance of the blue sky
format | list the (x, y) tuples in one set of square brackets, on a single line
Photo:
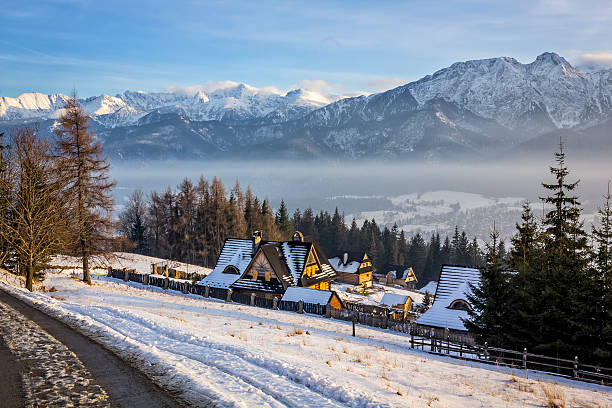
[(336, 46)]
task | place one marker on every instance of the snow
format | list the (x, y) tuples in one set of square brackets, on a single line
[(235, 252), (239, 356), (453, 285), (243, 356), (374, 294), (338, 265), (429, 288), (393, 299), (314, 296)]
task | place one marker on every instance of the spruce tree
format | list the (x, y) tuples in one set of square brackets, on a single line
[(565, 310), (491, 299), (602, 261), (283, 223), (89, 190)]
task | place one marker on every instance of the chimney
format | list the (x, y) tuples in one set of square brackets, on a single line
[(345, 258), (256, 242)]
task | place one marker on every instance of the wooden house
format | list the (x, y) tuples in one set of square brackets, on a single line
[(400, 275), (450, 306), (276, 266), (313, 296), (397, 301), (358, 273)]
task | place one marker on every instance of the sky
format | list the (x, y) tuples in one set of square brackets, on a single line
[(342, 47)]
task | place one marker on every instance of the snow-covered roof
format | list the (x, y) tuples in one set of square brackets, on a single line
[(295, 255), (453, 285), (236, 252), (315, 296), (392, 299), (429, 288), (339, 266)]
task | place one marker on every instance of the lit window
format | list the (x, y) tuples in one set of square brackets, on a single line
[(254, 274)]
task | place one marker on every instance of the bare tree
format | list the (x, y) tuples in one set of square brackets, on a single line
[(5, 189), (32, 193), (133, 223), (89, 189)]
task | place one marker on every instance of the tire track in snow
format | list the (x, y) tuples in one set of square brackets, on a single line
[(283, 388)]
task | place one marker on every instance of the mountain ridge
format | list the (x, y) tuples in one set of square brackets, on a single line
[(470, 108)]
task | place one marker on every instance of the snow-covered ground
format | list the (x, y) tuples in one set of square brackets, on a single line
[(119, 260), (373, 295), (240, 356)]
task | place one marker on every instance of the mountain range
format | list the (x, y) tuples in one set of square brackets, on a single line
[(495, 107)]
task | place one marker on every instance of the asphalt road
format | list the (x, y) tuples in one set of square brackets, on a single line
[(125, 386)]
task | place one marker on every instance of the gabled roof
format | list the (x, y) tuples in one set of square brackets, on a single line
[(409, 273), (392, 299), (429, 288), (315, 296), (453, 285), (236, 252), (338, 265)]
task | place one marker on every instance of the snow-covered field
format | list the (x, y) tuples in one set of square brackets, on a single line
[(239, 356)]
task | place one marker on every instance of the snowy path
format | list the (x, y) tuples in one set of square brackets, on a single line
[(244, 374)]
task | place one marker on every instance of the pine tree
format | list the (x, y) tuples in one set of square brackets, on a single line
[(602, 261), (491, 299), (565, 314), (283, 223), (89, 190)]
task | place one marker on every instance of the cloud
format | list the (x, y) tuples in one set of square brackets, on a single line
[(594, 60), (384, 83)]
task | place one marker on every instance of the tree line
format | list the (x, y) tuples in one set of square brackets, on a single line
[(55, 196), (191, 223), (553, 292)]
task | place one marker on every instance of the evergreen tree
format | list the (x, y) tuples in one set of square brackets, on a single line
[(491, 300), (565, 312), (283, 223)]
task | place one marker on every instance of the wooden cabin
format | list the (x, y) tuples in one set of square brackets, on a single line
[(397, 301), (450, 306), (276, 266), (358, 273), (313, 296), (400, 275)]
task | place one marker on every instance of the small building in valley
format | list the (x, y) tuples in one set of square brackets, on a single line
[(400, 275), (358, 273), (313, 296), (450, 306)]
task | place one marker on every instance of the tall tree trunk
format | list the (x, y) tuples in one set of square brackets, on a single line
[(86, 277), (29, 276)]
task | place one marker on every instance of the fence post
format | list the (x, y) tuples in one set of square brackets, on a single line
[(486, 350), (328, 311), (411, 339), (431, 339), (355, 319), (206, 291), (228, 298), (145, 280), (253, 299), (275, 303), (110, 271), (385, 324), (576, 367), (301, 307), (185, 288), (126, 274), (166, 283), (460, 349)]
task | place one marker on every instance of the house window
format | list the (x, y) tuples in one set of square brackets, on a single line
[(460, 304), (231, 269), (254, 274), (268, 276)]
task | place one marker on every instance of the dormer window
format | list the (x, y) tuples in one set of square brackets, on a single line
[(460, 304), (231, 269)]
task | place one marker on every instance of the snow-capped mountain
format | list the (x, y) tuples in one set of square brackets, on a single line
[(231, 102), (468, 109)]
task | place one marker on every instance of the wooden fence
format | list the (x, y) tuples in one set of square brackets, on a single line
[(430, 340)]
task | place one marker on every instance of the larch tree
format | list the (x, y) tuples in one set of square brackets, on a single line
[(32, 193), (89, 189), (133, 222), (5, 191)]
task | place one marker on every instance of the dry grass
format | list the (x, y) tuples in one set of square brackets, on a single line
[(555, 398), (296, 332), (51, 289), (58, 297)]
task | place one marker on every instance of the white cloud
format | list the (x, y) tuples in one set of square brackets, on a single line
[(594, 60), (380, 84)]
